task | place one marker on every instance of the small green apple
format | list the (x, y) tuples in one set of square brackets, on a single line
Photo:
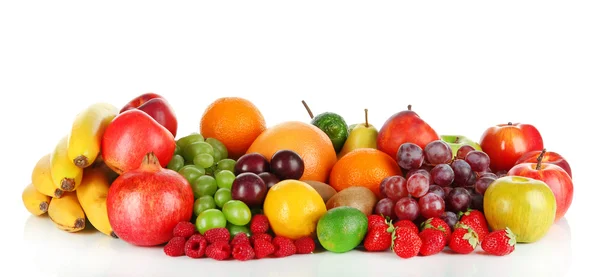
[(456, 141), (527, 206)]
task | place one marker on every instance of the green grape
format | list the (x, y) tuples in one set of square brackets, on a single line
[(196, 148), (204, 203), (211, 170), (176, 163), (226, 164), (204, 185), (225, 179), (193, 137), (217, 156), (234, 229), (191, 172), (219, 147), (204, 160), (210, 219), (222, 196), (237, 212), (178, 150)]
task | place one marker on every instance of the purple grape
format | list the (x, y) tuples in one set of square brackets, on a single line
[(442, 175), (478, 160), (249, 188), (287, 164), (487, 174), (462, 172), (431, 205), (410, 156), (438, 152), (450, 218), (251, 162), (463, 151), (472, 179), (385, 207), (395, 187), (446, 191), (482, 184), (476, 202), (269, 178), (417, 185), (421, 171), (458, 199), (437, 190), (407, 208)]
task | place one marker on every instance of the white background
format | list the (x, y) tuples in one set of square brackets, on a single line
[(464, 66)]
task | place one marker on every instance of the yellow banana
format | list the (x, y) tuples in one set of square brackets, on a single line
[(65, 174), (92, 195), (41, 178), (66, 213), (86, 133), (35, 202)]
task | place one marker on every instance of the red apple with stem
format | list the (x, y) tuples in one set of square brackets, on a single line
[(554, 176), (506, 143), (401, 127), (548, 157), (157, 107)]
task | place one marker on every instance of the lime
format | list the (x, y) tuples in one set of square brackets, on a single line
[(334, 126), (342, 229)]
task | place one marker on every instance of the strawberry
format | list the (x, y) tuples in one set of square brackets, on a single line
[(433, 241), (476, 220), (406, 243), (379, 237), (375, 219), (217, 234), (463, 240), (305, 245), (500, 242), (284, 247), (437, 223), (408, 224), (259, 224), (263, 248)]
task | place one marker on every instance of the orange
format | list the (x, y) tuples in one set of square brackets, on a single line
[(293, 209), (365, 167), (235, 122), (312, 144)]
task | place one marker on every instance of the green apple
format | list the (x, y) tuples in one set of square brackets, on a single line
[(456, 141), (361, 135), (527, 206)]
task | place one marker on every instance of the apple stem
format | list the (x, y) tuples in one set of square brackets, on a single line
[(367, 118), (410, 107), (509, 123), (456, 140), (539, 159), (308, 109)]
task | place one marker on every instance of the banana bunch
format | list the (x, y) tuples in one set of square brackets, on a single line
[(71, 183)]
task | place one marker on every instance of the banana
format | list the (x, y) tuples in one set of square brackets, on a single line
[(65, 174), (42, 179), (92, 195), (35, 202), (86, 133), (66, 213)]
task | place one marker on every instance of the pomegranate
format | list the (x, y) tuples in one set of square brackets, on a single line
[(146, 203)]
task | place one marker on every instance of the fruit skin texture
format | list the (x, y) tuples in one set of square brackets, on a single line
[(526, 206), (293, 209), (92, 195), (234, 121), (86, 133), (548, 157), (406, 243), (499, 243), (506, 143), (35, 202), (555, 177), (65, 174), (66, 213), (433, 240), (365, 167), (463, 240), (404, 126), (378, 238), (132, 135), (334, 126), (145, 204), (311, 143), (41, 178), (157, 107), (342, 229)]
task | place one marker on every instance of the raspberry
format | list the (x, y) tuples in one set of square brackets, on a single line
[(266, 237), (184, 229), (283, 247), (304, 245), (175, 247), (240, 238), (263, 248), (242, 252), (195, 246), (219, 250), (259, 224), (217, 234)]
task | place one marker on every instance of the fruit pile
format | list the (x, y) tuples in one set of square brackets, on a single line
[(237, 189)]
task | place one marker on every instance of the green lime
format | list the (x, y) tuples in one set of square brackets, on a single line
[(334, 126), (342, 229)]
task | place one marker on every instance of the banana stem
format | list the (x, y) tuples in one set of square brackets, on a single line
[(308, 109)]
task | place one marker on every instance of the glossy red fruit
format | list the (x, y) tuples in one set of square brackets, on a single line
[(506, 143), (132, 135), (548, 157), (156, 107), (144, 205)]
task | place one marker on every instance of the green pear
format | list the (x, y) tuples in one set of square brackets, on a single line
[(456, 141), (361, 135)]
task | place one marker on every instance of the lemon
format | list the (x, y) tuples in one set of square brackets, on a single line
[(293, 209)]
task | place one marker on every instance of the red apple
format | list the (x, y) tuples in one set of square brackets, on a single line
[(548, 157), (146, 203), (404, 126), (554, 176), (506, 143), (131, 135), (157, 107)]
